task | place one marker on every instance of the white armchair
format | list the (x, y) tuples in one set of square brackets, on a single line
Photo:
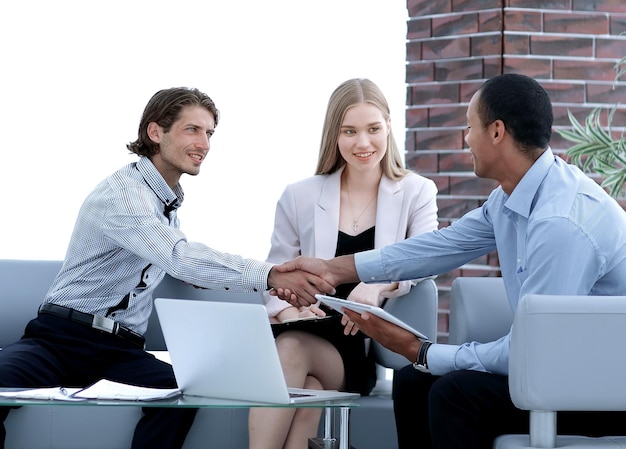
[(559, 343)]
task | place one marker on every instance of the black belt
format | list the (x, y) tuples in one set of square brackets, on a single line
[(95, 322)]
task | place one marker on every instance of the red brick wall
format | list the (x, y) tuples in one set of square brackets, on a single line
[(453, 46)]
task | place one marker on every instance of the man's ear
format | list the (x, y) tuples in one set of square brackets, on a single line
[(155, 132), (498, 130)]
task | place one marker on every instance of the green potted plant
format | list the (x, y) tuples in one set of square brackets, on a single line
[(596, 148)]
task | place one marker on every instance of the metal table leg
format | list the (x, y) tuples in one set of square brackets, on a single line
[(344, 428), (328, 424), (329, 441)]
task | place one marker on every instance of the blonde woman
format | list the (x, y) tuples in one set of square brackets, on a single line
[(360, 198)]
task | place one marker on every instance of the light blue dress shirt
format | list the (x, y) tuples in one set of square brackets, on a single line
[(126, 238), (557, 233)]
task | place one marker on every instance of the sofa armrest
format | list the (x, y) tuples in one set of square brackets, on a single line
[(558, 343)]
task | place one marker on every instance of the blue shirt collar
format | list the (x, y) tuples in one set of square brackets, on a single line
[(521, 199)]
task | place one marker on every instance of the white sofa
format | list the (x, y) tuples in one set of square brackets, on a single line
[(23, 284)]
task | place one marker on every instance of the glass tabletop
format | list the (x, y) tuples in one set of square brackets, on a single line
[(183, 401)]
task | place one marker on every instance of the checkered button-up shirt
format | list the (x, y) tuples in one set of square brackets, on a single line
[(126, 238)]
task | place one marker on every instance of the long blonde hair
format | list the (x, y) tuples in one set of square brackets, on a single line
[(348, 94)]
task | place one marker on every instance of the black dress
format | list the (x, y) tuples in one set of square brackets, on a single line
[(360, 369)]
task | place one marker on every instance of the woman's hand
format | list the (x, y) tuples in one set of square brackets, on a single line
[(310, 311), (365, 294), (372, 294), (349, 327), (293, 313)]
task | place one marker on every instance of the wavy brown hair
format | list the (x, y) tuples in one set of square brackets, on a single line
[(165, 108)]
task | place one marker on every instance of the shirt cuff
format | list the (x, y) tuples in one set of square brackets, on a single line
[(440, 358), (255, 275), (369, 266)]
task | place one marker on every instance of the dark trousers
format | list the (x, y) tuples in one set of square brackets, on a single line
[(469, 409), (58, 352)]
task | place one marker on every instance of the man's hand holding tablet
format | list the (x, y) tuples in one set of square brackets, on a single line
[(380, 325), (341, 304)]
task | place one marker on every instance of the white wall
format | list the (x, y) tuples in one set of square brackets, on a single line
[(76, 76)]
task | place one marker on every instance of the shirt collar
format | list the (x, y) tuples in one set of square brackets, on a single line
[(521, 199), (172, 198)]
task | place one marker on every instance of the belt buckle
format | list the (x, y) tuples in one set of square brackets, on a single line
[(104, 324)]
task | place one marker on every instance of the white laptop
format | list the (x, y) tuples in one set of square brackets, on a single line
[(226, 350)]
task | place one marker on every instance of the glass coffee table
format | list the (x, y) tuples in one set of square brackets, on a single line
[(331, 439)]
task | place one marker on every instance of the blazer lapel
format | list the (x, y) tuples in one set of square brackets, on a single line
[(327, 216), (389, 213)]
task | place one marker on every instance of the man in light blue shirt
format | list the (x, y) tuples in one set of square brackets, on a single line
[(556, 232)]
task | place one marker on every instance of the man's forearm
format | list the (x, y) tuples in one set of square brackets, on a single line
[(343, 269)]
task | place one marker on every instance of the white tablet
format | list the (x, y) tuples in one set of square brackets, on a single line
[(339, 304)]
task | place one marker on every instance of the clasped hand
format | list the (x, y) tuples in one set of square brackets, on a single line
[(323, 274), (298, 284), (299, 280)]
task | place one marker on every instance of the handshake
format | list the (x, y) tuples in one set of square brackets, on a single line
[(299, 280)]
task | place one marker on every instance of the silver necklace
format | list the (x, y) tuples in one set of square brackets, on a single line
[(355, 220)]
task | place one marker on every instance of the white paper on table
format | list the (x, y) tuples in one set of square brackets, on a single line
[(106, 390), (50, 393)]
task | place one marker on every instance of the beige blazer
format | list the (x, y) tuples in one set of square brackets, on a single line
[(307, 219)]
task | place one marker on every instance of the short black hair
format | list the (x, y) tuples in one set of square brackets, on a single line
[(522, 104)]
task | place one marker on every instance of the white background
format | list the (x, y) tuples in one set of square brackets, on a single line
[(76, 75)]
